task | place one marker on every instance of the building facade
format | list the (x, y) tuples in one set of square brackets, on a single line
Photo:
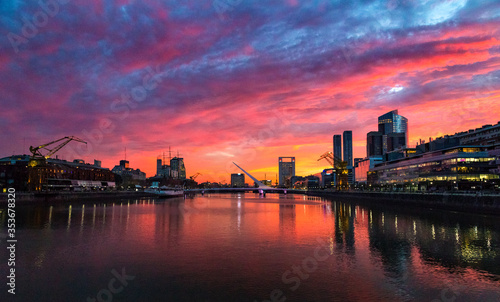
[(328, 178), (392, 122), (395, 141), (462, 167), (53, 174), (486, 135), (337, 146), (347, 140), (374, 144), (177, 168), (128, 175), (363, 166), (286, 166), (237, 180), (161, 169)]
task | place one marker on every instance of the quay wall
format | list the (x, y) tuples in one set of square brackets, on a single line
[(476, 203), (31, 198)]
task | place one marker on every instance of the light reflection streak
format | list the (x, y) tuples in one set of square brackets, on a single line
[(69, 217), (50, 216), (93, 217), (81, 221)]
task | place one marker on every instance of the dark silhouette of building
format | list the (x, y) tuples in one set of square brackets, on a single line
[(348, 148), (237, 180), (392, 122), (374, 144), (286, 170), (337, 146), (395, 141)]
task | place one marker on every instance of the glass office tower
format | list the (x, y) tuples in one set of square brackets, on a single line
[(392, 122)]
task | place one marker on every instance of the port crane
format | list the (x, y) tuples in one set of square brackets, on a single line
[(339, 166), (37, 165), (36, 151), (193, 177)]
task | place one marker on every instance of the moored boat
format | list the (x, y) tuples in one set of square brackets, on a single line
[(165, 191)]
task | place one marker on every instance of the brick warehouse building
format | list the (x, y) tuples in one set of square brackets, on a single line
[(54, 174)]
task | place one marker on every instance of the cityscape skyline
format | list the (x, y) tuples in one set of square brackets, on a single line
[(247, 85)]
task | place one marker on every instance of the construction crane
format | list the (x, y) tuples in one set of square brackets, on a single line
[(193, 177), (37, 175), (339, 166), (36, 151)]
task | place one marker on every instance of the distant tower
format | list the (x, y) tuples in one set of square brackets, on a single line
[(158, 166), (392, 122), (348, 148), (177, 168), (286, 169), (237, 180), (337, 146), (374, 145)]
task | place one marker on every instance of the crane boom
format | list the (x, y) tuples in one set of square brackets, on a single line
[(193, 177), (36, 151), (340, 167)]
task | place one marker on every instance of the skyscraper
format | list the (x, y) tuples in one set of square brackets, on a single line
[(237, 180), (374, 145), (337, 146), (177, 168), (347, 136), (395, 141), (348, 148), (286, 169), (392, 122)]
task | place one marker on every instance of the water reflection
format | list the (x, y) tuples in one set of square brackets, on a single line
[(254, 240), (287, 218)]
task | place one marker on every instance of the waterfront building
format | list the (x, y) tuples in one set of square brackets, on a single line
[(392, 122), (495, 152), (237, 180), (486, 135), (347, 136), (311, 182), (286, 167), (328, 178), (177, 168), (337, 146), (348, 155), (440, 143), (267, 182), (161, 169), (129, 175), (374, 144), (395, 141), (363, 166), (53, 174), (463, 167), (296, 180)]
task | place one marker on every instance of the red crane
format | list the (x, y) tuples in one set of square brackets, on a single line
[(36, 151)]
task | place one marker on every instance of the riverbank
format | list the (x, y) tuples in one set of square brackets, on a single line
[(475, 203), (32, 198)]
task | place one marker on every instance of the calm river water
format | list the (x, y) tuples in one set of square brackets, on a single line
[(242, 247)]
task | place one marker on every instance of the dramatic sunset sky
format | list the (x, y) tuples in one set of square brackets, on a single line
[(238, 80)]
